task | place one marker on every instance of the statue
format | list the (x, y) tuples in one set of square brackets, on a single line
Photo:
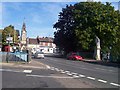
[(97, 49)]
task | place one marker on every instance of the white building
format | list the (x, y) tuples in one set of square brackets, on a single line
[(44, 44)]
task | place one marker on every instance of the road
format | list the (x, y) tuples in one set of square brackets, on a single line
[(61, 73), (100, 76)]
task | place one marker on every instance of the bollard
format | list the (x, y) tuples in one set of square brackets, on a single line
[(27, 56), (7, 57)]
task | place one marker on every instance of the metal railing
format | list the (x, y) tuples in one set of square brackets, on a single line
[(15, 56)]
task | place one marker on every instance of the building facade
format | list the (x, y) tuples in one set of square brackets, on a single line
[(43, 44), (1, 39)]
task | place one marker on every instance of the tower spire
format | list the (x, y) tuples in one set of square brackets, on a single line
[(24, 26)]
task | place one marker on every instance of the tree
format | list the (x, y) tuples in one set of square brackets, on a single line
[(83, 22), (9, 31), (65, 30)]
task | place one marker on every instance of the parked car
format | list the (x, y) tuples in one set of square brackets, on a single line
[(39, 55), (74, 56)]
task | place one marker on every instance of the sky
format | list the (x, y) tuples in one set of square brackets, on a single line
[(39, 16)]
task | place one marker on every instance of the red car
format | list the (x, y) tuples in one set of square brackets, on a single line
[(74, 56)]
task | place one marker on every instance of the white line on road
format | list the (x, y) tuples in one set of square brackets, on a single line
[(47, 76), (69, 74), (63, 72), (67, 71), (81, 75), (48, 66), (56, 68), (115, 84), (27, 71), (100, 80), (76, 76), (8, 70), (91, 78)]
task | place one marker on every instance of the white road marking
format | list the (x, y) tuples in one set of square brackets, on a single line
[(69, 74), (91, 78), (81, 75), (27, 71), (56, 68), (67, 71), (115, 84), (32, 67), (8, 70), (48, 66), (47, 76), (100, 80), (63, 72), (75, 76)]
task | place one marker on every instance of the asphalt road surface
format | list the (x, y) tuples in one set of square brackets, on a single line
[(61, 73), (99, 76)]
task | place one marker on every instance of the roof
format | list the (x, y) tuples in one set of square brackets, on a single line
[(44, 39), (33, 41)]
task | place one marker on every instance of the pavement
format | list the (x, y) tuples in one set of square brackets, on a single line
[(101, 62), (31, 64)]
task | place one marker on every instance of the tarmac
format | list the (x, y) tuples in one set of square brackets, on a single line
[(36, 64)]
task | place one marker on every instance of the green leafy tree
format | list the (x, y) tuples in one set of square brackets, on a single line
[(80, 23), (65, 35), (9, 31), (95, 18)]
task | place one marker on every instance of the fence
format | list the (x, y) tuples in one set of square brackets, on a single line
[(86, 54), (16, 56)]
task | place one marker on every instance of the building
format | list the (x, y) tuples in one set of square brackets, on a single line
[(43, 44), (23, 42), (1, 39)]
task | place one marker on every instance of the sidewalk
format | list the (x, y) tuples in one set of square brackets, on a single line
[(101, 62), (31, 64)]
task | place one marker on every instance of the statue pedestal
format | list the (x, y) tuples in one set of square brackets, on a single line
[(98, 54)]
